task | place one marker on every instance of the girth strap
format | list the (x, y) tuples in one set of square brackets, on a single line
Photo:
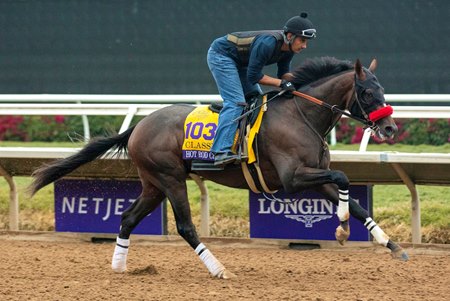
[(249, 178), (257, 183)]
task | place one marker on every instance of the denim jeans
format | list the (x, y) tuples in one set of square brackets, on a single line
[(233, 85)]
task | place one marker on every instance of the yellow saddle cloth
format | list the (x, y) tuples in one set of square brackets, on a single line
[(200, 129)]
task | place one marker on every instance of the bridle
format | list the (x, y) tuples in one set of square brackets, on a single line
[(368, 119)]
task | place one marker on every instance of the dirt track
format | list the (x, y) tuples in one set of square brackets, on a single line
[(78, 270)]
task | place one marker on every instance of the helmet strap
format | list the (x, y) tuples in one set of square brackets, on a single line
[(289, 41)]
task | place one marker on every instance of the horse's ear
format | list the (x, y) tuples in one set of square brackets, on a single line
[(373, 65), (359, 70)]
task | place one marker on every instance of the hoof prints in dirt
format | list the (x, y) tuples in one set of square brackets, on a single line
[(149, 270)]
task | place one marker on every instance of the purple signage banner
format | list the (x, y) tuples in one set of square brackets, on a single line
[(304, 216), (96, 206)]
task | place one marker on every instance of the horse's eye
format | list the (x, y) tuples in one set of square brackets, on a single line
[(367, 95)]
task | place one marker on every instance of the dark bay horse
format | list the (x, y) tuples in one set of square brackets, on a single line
[(293, 154)]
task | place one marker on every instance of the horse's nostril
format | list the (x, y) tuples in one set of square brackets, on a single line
[(390, 130)]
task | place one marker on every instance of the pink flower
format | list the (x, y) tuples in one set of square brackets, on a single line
[(357, 137), (59, 119)]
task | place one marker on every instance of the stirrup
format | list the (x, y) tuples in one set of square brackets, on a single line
[(225, 158)]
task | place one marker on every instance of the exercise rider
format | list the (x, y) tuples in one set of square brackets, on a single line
[(236, 62)]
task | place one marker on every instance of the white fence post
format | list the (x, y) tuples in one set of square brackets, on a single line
[(365, 140), (13, 200)]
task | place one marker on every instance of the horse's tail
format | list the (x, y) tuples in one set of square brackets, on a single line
[(94, 149)]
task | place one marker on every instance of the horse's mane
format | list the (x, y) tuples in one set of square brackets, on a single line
[(317, 68)]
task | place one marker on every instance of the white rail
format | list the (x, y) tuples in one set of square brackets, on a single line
[(176, 98), (125, 98)]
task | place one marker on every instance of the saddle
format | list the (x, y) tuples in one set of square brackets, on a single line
[(245, 143), (249, 105), (246, 121)]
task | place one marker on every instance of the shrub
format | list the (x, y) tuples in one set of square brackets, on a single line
[(54, 128), (427, 131), (44, 128), (61, 128), (10, 130), (410, 131)]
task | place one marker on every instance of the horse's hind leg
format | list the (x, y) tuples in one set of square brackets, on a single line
[(180, 205), (362, 215), (150, 198)]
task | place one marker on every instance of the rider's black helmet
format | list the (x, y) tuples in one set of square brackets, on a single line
[(301, 26)]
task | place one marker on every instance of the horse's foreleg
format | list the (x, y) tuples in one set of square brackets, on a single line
[(362, 215), (186, 229), (145, 204), (312, 177), (343, 230), (382, 238)]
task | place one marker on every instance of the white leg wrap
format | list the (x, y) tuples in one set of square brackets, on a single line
[(214, 266), (342, 211), (376, 231), (119, 259), (343, 195)]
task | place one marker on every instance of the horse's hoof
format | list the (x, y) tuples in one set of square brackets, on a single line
[(119, 264), (400, 254), (342, 235), (119, 259), (225, 274), (119, 269)]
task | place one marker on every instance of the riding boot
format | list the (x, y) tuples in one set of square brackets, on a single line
[(225, 158)]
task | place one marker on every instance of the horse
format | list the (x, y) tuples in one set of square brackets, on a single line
[(292, 152)]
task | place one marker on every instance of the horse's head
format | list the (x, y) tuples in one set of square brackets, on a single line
[(369, 103)]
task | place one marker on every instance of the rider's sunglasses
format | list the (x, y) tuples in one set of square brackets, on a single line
[(309, 33)]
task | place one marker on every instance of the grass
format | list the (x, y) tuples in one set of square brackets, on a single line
[(229, 207)]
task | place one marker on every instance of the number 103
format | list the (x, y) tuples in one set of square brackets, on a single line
[(198, 129)]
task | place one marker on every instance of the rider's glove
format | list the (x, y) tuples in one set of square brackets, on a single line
[(288, 87)]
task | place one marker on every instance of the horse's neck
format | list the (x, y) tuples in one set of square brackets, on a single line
[(336, 91)]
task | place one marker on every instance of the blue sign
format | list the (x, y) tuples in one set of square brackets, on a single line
[(96, 206), (304, 216)]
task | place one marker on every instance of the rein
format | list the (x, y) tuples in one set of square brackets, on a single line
[(334, 108), (257, 107)]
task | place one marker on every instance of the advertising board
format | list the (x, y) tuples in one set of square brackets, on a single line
[(304, 216), (96, 206)]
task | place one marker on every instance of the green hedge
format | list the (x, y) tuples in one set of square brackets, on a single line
[(63, 128), (55, 128), (410, 131)]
